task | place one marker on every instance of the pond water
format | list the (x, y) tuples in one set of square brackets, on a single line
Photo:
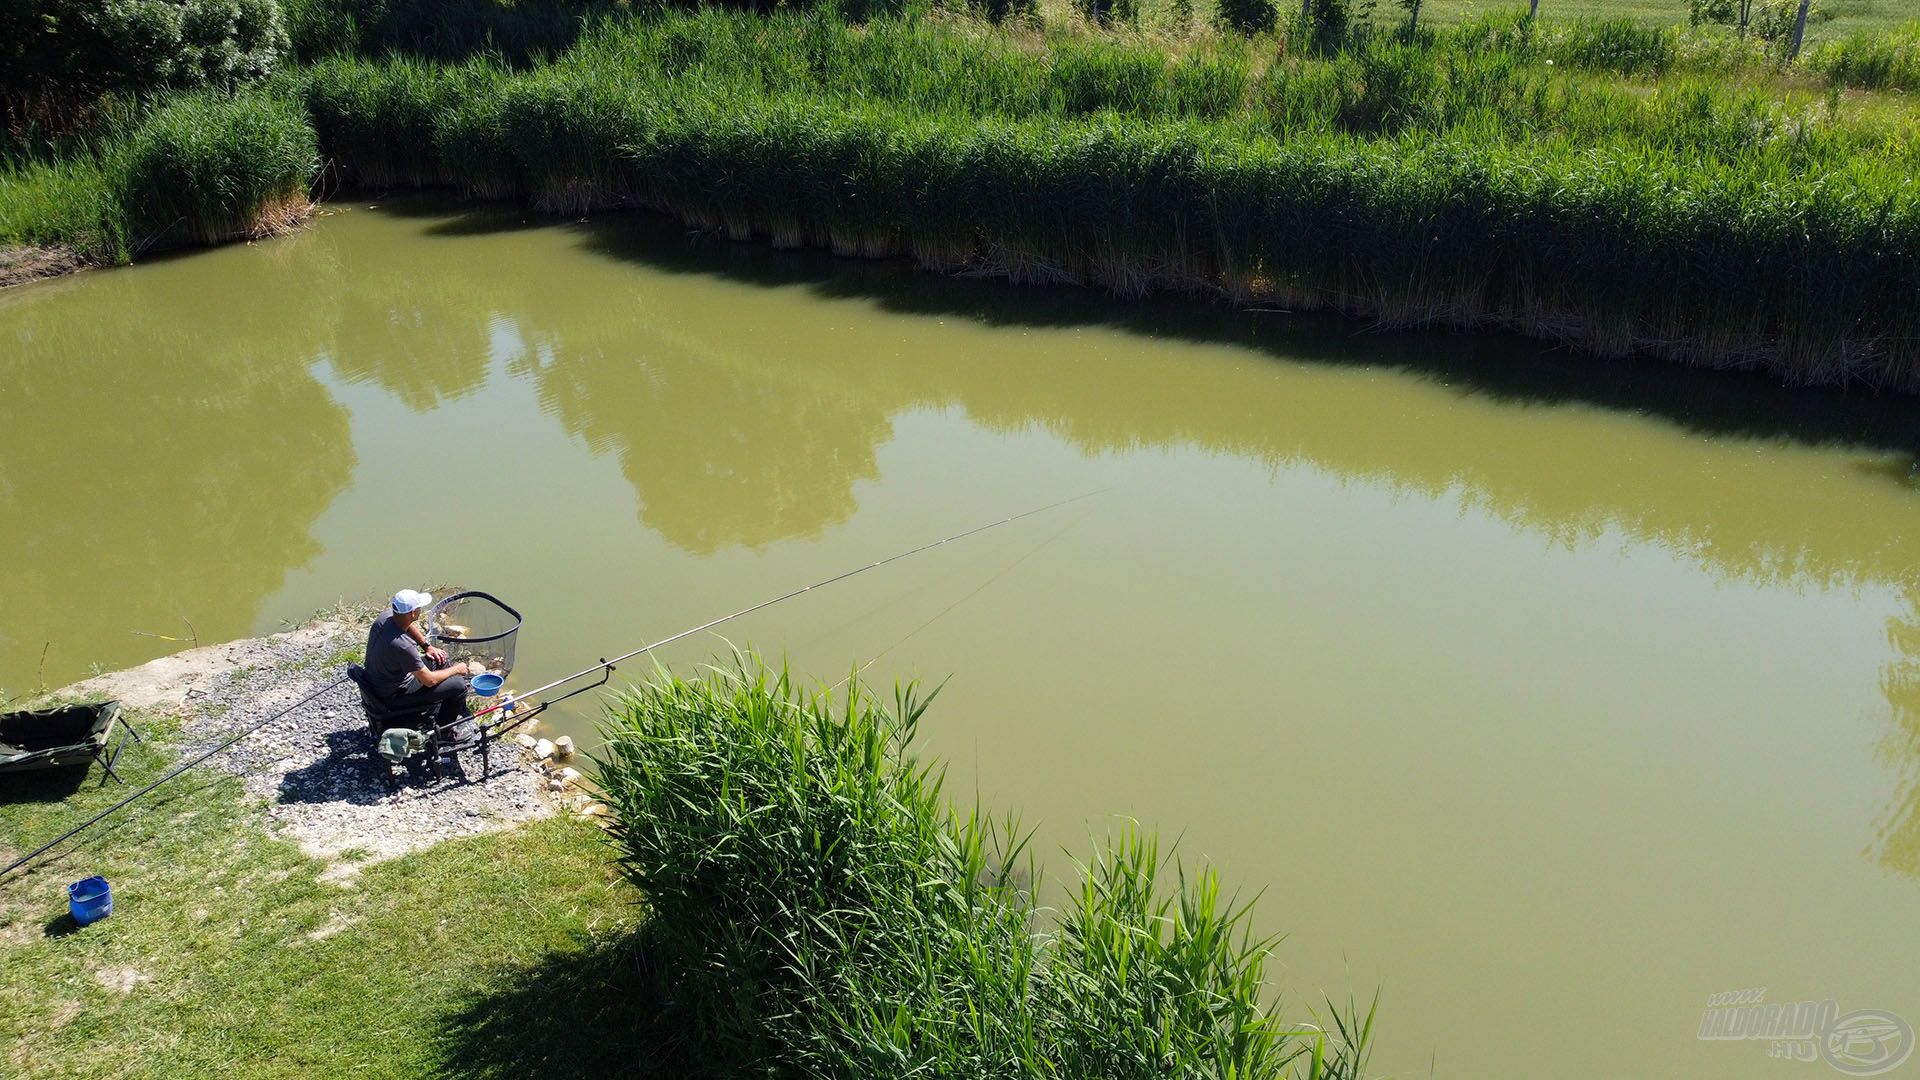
[(1546, 696)]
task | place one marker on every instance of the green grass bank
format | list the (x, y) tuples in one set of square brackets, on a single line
[(229, 954)]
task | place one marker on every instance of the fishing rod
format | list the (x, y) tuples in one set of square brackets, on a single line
[(875, 658), (603, 665), (102, 815), (608, 665)]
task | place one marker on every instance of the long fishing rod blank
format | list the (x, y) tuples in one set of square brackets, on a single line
[(603, 665), (803, 590)]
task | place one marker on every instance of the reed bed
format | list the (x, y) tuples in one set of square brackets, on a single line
[(1451, 178), (1488, 79), (1706, 224), (203, 168), (207, 168), (818, 908), (380, 125)]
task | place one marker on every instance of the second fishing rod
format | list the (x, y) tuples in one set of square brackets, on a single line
[(607, 664)]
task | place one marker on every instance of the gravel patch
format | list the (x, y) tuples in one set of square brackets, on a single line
[(313, 765)]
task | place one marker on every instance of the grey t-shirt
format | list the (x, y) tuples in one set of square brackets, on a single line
[(392, 657)]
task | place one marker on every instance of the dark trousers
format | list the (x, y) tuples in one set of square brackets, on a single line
[(450, 694)]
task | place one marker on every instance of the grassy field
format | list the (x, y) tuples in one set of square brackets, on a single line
[(1848, 15), (228, 955)]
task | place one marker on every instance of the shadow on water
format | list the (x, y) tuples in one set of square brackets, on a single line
[(1501, 367), (488, 218), (1761, 534), (747, 414), (599, 1012)]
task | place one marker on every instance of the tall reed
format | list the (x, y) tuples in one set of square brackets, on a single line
[(1700, 223), (379, 124), (203, 168), (207, 167), (65, 203), (517, 30), (821, 909)]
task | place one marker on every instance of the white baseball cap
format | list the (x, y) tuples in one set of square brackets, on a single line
[(410, 600)]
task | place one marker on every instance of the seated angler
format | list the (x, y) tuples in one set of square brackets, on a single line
[(403, 670)]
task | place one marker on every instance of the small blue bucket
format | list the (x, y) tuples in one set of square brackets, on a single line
[(90, 900), (487, 685)]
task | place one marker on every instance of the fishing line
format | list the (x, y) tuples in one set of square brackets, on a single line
[(897, 604), (1003, 572), (606, 664), (942, 613)]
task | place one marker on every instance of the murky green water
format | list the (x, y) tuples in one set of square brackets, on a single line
[(1544, 712)]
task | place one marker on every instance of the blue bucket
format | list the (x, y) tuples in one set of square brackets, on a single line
[(90, 900), (487, 685)]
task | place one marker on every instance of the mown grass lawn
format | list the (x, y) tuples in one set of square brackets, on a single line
[(228, 953)]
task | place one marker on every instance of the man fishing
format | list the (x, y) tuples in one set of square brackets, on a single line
[(404, 670)]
